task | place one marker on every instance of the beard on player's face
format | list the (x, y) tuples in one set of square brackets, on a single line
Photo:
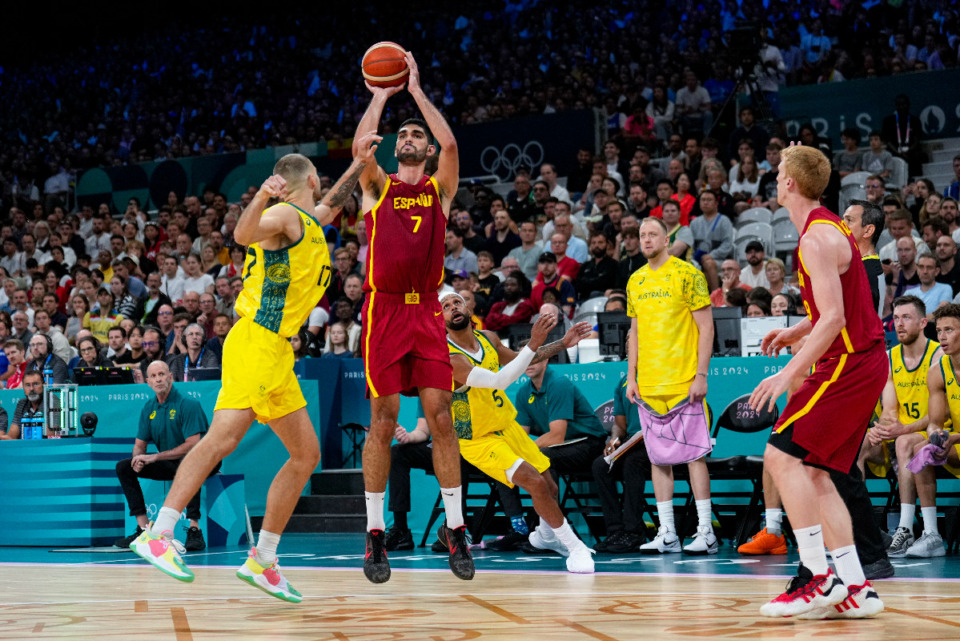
[(407, 157), (458, 321)]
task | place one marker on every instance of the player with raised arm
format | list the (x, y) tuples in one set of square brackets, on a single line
[(404, 342), (286, 272), (824, 421), (485, 419)]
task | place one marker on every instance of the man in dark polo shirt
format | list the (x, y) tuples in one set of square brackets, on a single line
[(174, 423), (625, 526), (551, 408)]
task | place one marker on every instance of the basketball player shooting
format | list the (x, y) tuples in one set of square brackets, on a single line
[(404, 340), (825, 420)]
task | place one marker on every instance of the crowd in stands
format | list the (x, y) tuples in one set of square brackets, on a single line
[(85, 289), (175, 91)]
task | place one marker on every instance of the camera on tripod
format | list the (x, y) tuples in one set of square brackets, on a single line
[(744, 44)]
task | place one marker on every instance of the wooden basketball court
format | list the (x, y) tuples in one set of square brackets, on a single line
[(117, 599)]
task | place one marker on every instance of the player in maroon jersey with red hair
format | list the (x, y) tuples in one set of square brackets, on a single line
[(404, 341), (825, 420)]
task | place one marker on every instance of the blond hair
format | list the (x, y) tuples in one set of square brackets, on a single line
[(294, 168), (809, 168)]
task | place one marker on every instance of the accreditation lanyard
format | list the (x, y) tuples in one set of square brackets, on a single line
[(196, 364)]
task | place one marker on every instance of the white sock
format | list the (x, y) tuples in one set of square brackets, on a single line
[(566, 535), (665, 512), (166, 520), (929, 515), (546, 527), (704, 513), (452, 506), (774, 519), (267, 547), (375, 510), (907, 514), (848, 565), (810, 546)]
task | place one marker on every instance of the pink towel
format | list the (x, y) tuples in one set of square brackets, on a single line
[(928, 455)]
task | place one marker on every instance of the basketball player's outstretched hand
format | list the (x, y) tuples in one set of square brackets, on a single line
[(577, 333), (275, 187), (367, 146), (413, 81), (540, 330)]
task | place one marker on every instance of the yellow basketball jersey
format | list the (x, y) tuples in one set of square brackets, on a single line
[(478, 411), (952, 388), (911, 384), (281, 287), (662, 301)]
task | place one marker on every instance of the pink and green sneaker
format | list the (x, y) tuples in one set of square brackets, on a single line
[(269, 579), (163, 552)]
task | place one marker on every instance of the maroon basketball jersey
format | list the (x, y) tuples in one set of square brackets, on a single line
[(406, 230), (862, 329)]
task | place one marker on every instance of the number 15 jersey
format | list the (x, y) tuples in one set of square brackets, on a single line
[(479, 410), (911, 384), (281, 287)]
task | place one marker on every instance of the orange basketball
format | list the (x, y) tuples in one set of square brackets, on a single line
[(383, 65)]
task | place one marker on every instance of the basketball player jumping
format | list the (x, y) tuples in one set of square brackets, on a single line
[(825, 420), (286, 272), (404, 341)]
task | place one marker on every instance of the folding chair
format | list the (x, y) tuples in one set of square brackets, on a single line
[(740, 418), (481, 517), (754, 215)]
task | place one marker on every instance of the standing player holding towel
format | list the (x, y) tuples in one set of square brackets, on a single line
[(825, 420), (669, 296), (404, 341)]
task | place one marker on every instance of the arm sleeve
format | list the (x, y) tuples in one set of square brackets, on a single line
[(508, 374)]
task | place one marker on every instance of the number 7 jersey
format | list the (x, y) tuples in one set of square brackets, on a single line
[(479, 410), (281, 287)]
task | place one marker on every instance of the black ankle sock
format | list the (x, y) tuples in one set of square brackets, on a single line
[(400, 520)]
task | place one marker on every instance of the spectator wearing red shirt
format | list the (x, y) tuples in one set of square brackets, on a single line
[(513, 309), (729, 279), (665, 191), (566, 266), (548, 275)]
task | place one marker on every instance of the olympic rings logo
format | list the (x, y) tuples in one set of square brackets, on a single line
[(504, 163)]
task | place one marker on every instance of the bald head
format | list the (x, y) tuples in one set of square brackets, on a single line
[(550, 308), (157, 366), (159, 379)]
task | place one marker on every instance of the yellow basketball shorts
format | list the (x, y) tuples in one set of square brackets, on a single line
[(495, 452), (663, 403), (258, 373)]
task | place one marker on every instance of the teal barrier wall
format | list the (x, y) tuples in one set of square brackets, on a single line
[(258, 457), (730, 379), (865, 103)]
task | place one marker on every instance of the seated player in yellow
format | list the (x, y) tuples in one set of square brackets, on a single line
[(903, 416), (485, 420), (286, 273), (943, 406)]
